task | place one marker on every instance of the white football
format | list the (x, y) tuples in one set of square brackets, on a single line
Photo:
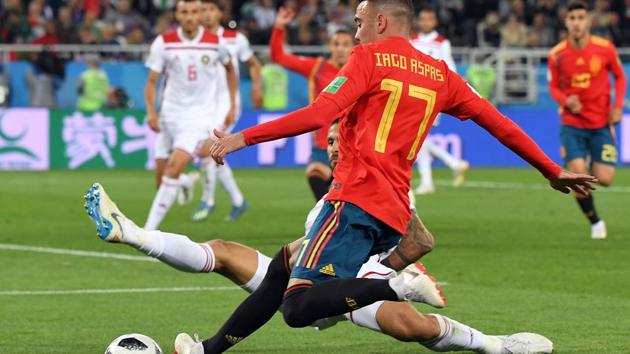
[(133, 344)]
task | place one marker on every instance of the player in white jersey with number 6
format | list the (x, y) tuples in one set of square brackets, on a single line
[(190, 59), (238, 45), (432, 43)]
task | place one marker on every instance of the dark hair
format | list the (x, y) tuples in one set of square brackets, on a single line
[(218, 3), (400, 8), (577, 5), (342, 31), (428, 9)]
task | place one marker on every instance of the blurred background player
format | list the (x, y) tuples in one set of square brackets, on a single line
[(238, 45), (579, 69), (248, 267), (432, 43), (319, 72), (189, 57)]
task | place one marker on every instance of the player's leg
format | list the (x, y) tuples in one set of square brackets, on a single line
[(423, 162), (459, 167), (163, 147), (319, 173), (167, 192), (575, 150), (322, 282), (209, 181), (255, 310), (160, 165), (239, 204), (604, 161), (243, 265)]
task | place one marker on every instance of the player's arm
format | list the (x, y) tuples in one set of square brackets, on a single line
[(465, 103), (620, 86), (232, 87), (416, 242), (342, 92), (254, 72), (301, 65), (155, 63), (150, 92), (571, 102), (246, 55), (447, 54)]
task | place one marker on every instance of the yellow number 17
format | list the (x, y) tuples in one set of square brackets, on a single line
[(395, 89)]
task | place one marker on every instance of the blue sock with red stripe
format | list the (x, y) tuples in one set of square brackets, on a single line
[(257, 309), (304, 304)]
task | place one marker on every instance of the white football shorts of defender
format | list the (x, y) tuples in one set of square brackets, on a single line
[(192, 70), (240, 51)]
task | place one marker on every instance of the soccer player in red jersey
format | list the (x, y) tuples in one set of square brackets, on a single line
[(319, 72), (394, 93), (579, 69)]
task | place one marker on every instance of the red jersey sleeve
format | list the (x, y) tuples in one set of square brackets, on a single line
[(553, 78), (620, 77), (341, 93), (301, 65), (465, 103)]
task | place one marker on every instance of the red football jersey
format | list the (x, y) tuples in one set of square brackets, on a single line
[(585, 72), (397, 91), (319, 72)]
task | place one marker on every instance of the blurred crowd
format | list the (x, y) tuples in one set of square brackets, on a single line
[(496, 23)]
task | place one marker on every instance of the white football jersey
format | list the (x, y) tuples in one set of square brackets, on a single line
[(192, 70), (436, 46), (240, 51)]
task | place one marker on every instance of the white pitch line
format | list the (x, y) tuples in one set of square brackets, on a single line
[(112, 291), (70, 252), (521, 186)]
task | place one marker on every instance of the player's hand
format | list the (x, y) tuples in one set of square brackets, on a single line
[(226, 144), (573, 104), (257, 97), (615, 116), (284, 17), (153, 122), (576, 182)]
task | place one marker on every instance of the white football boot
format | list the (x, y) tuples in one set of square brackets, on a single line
[(526, 343), (415, 284), (186, 190), (185, 344), (459, 174), (111, 224), (598, 230), (424, 189)]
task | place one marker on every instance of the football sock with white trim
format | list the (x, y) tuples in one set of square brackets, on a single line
[(226, 177), (178, 251), (162, 202)]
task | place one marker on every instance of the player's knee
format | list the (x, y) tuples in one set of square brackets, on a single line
[(294, 310), (605, 181), (221, 253)]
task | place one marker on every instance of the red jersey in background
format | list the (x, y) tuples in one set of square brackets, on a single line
[(319, 72), (585, 72)]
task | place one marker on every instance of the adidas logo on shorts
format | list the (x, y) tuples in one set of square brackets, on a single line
[(328, 270)]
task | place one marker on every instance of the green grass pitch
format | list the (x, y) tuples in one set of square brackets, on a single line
[(514, 259)]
